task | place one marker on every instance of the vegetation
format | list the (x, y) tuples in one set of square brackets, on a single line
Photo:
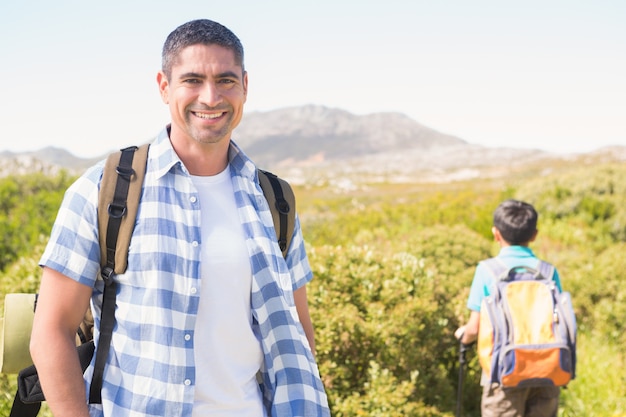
[(393, 264), (28, 208)]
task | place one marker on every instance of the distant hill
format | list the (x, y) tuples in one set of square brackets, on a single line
[(48, 160), (320, 133), (310, 142)]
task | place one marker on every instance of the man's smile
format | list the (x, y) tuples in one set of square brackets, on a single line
[(208, 116)]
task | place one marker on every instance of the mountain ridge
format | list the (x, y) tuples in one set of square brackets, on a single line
[(331, 134), (315, 141)]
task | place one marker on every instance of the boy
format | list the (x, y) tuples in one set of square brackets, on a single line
[(514, 228)]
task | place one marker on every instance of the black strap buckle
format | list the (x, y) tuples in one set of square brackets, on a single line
[(117, 211), (107, 273), (282, 206)]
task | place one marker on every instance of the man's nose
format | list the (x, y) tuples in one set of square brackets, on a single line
[(210, 94)]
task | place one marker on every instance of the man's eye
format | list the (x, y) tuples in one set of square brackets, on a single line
[(226, 81), (192, 81)]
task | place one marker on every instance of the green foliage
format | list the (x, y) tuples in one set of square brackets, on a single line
[(337, 221), (384, 397), (22, 276), (601, 296), (29, 204), (599, 389), (393, 265), (395, 304), (392, 278), (591, 200)]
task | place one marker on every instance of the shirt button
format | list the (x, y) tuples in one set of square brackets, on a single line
[(187, 337), (193, 199), (187, 382), (194, 290), (194, 243)]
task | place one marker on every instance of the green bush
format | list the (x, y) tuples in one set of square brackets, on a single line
[(599, 389), (389, 309), (29, 206), (591, 200), (393, 266), (600, 296)]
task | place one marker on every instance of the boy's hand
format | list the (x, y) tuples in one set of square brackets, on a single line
[(459, 335), (459, 332)]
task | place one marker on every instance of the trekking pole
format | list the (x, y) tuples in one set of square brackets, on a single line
[(459, 397)]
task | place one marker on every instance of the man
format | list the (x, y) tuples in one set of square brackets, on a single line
[(208, 304), (514, 228)]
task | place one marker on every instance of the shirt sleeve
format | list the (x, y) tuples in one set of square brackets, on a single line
[(557, 279), (297, 260), (480, 287), (73, 248)]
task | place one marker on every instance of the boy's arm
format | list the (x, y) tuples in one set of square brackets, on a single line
[(61, 306), (469, 333)]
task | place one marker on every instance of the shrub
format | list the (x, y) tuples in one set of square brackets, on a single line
[(29, 206), (389, 308)]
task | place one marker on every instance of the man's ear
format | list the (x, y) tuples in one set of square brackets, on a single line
[(164, 86), (245, 86), (532, 239)]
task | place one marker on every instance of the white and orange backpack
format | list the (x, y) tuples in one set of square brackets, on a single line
[(527, 331)]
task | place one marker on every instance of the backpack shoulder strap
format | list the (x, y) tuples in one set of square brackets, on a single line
[(282, 202), (497, 268), (545, 269), (118, 202)]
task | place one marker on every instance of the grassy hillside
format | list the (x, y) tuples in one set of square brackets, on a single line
[(393, 264)]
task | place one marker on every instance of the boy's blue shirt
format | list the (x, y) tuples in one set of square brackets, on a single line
[(510, 256)]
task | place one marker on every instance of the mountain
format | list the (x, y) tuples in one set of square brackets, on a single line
[(297, 134), (49, 161), (320, 144), (317, 143)]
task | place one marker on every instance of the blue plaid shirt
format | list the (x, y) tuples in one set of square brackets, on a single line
[(150, 369)]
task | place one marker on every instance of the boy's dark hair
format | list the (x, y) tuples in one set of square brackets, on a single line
[(203, 32), (516, 221)]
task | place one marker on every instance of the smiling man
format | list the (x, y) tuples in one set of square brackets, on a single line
[(211, 319)]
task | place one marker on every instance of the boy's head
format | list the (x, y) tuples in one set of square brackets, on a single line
[(516, 221)]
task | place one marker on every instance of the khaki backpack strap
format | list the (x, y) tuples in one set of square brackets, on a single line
[(118, 207), (118, 202), (282, 202)]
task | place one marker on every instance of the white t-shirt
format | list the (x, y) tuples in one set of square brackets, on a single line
[(227, 353)]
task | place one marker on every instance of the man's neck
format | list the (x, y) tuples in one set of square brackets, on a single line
[(202, 159)]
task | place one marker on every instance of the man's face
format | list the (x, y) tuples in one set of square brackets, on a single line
[(205, 93)]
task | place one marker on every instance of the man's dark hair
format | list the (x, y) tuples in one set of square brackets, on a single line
[(516, 221), (201, 31)]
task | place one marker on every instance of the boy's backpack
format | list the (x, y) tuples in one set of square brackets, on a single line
[(119, 195), (527, 330)]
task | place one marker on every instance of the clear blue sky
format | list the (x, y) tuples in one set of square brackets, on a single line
[(546, 74)]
